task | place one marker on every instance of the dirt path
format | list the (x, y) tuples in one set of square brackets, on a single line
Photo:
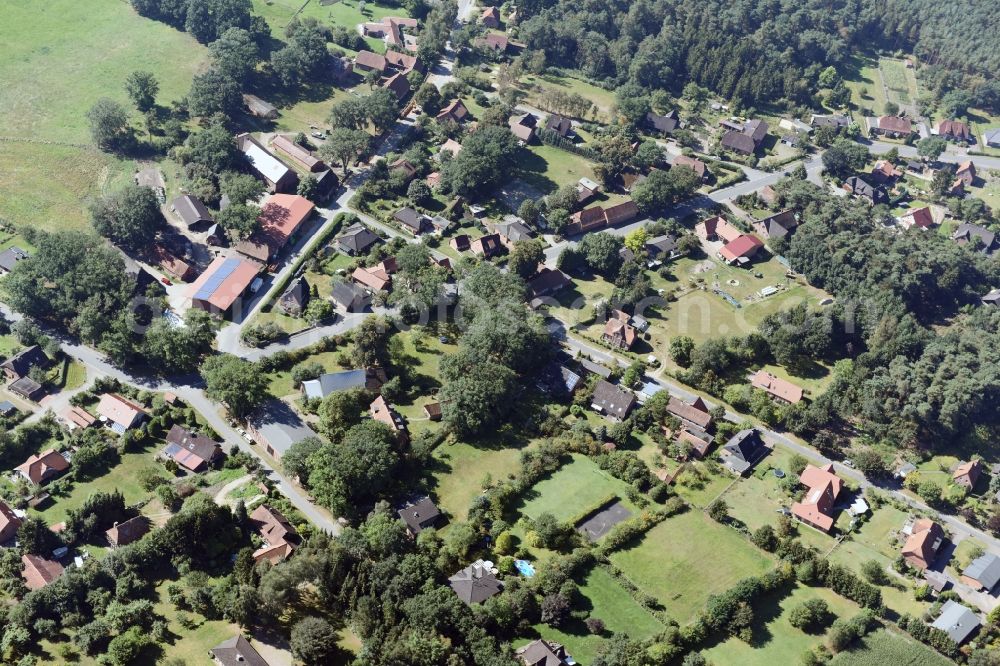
[(220, 497)]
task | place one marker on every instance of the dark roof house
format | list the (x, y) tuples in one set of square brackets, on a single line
[(663, 124), (743, 451), (21, 363), (122, 534), (237, 651), (420, 515), (612, 401), (9, 257), (190, 449), (356, 239), (191, 210), (475, 583)]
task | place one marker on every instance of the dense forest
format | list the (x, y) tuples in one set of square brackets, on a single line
[(759, 52)]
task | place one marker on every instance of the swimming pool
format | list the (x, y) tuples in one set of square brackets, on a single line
[(525, 568)]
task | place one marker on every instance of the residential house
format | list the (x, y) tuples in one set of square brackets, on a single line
[(295, 298), (122, 534), (588, 219), (621, 213), (523, 127), (487, 246), (176, 268), (375, 278), (546, 282), (420, 515), (983, 573), (298, 154), (278, 176), (779, 389), (693, 413), (861, 188), (967, 473), (779, 225), (280, 538), (191, 450), (281, 218), (119, 413), (348, 296), (276, 427), (9, 522), (460, 243), (698, 440), (892, 126), (885, 172), (223, 283), (747, 138), (992, 137), (921, 218), (663, 124), (992, 298), (692, 163), (455, 111), (366, 61), (662, 247), (476, 583), (397, 84), (27, 388), (740, 250), (978, 237), (192, 211), (511, 230), (490, 18), (717, 229), (795, 125), (743, 451), (923, 542), (957, 188), (957, 621), (237, 651), (617, 331), (39, 571), (41, 467), (411, 221), (10, 257), (451, 146), (494, 41), (356, 240), (955, 130), (21, 363), (561, 125), (391, 29), (966, 172), (383, 412), (404, 63), (822, 489), (835, 121), (345, 380), (7, 408), (542, 652), (259, 108), (595, 368), (586, 189), (612, 401)]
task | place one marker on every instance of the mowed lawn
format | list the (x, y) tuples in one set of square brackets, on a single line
[(459, 472), (60, 56), (885, 647), (775, 640), (604, 598), (687, 558), (575, 487)]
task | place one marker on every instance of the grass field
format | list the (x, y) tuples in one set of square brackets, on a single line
[(459, 471), (884, 647), (867, 78), (895, 76), (535, 87), (604, 598), (549, 168), (775, 640), (61, 56), (687, 558), (281, 381), (574, 487), (279, 13)]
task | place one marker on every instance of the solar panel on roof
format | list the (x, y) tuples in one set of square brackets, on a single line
[(217, 278)]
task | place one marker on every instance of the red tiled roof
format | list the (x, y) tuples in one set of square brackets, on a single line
[(895, 124), (692, 163), (776, 386), (744, 246), (39, 467), (922, 545), (223, 293), (39, 572)]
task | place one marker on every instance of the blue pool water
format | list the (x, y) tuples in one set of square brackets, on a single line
[(525, 568)]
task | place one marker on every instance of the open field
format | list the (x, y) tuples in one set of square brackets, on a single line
[(61, 56), (604, 598), (279, 13), (535, 86), (47, 185), (683, 571), (898, 80), (866, 87), (459, 470), (548, 168), (575, 487), (775, 640), (281, 381), (889, 647)]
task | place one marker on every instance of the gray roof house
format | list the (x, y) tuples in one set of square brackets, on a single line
[(967, 233), (612, 401), (743, 451), (237, 651), (326, 384), (356, 239), (475, 583), (191, 210), (542, 653), (662, 246), (420, 515), (9, 257), (957, 621), (349, 296), (20, 364), (983, 572), (276, 426)]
